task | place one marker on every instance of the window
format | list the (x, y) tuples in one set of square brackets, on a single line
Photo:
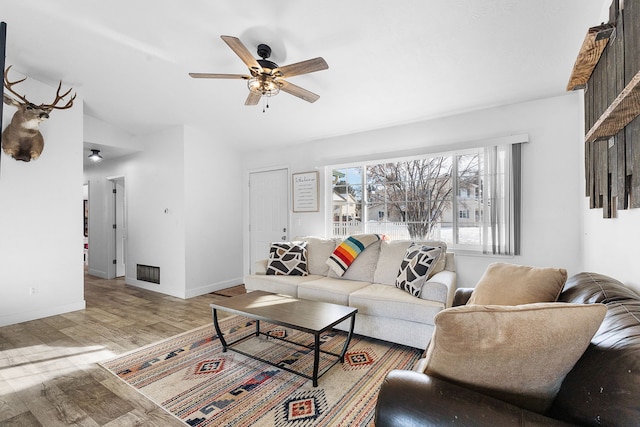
[(346, 202), (469, 199)]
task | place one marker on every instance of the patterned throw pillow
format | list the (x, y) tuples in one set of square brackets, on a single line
[(287, 259), (418, 261)]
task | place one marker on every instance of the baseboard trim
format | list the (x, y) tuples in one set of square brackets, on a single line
[(97, 273), (26, 316), (214, 287), (188, 293)]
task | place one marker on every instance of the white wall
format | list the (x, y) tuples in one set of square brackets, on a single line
[(41, 231), (611, 244), (181, 193), (97, 131), (154, 196), (551, 163), (155, 211), (213, 214)]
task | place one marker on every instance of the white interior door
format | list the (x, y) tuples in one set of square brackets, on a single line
[(268, 211), (119, 226)]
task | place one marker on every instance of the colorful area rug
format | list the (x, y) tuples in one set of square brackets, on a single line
[(193, 379)]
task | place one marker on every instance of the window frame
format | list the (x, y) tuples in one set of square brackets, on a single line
[(476, 214)]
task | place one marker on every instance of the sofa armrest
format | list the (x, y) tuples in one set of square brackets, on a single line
[(461, 296), (440, 287), (450, 263), (260, 267), (408, 398)]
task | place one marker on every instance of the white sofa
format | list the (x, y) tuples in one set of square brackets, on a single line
[(384, 311)]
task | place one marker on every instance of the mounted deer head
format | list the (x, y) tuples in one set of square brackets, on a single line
[(22, 139)]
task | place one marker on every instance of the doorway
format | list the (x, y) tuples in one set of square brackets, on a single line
[(268, 211)]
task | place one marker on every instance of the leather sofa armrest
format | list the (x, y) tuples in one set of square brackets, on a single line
[(461, 296), (260, 267), (408, 398)]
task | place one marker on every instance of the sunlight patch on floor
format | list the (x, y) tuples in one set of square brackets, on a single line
[(26, 367)]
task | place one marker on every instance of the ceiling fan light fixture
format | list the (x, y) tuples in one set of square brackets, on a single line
[(95, 156), (263, 86), (266, 78)]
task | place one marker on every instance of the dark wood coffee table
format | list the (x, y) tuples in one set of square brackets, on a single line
[(313, 317)]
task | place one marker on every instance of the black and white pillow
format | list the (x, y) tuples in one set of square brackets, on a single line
[(287, 259), (418, 261)]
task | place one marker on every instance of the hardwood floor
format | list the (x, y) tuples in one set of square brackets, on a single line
[(49, 374)]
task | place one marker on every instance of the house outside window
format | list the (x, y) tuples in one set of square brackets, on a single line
[(469, 199)]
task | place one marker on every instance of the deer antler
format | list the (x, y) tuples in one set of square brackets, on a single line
[(9, 85), (58, 98)]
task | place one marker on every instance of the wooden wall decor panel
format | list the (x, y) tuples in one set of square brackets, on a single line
[(633, 134), (631, 17), (588, 170), (619, 113), (594, 43), (621, 169), (612, 109), (613, 170), (604, 189)]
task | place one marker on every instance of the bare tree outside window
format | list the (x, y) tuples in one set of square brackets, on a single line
[(419, 192), (467, 198), (415, 192)]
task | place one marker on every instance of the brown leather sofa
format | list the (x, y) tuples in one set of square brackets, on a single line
[(602, 389)]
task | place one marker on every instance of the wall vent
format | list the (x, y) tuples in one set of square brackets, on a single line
[(148, 273)]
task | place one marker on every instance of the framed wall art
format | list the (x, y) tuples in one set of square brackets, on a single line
[(305, 191)]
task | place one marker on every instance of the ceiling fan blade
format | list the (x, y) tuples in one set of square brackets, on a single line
[(252, 99), (301, 93), (236, 45), (219, 76), (304, 67)]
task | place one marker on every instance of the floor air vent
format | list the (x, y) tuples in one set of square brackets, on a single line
[(147, 273)]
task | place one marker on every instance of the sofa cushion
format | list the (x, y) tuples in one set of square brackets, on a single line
[(391, 254), (318, 251), (287, 259), (389, 301), (364, 265), (510, 284), (519, 354), (287, 285), (418, 261), (330, 290)]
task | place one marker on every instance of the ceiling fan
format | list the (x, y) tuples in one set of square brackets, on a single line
[(266, 78)]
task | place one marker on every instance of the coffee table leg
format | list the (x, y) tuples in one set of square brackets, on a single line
[(218, 331), (316, 359), (257, 328), (346, 343)]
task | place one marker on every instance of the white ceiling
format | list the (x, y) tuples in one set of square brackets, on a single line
[(390, 62)]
